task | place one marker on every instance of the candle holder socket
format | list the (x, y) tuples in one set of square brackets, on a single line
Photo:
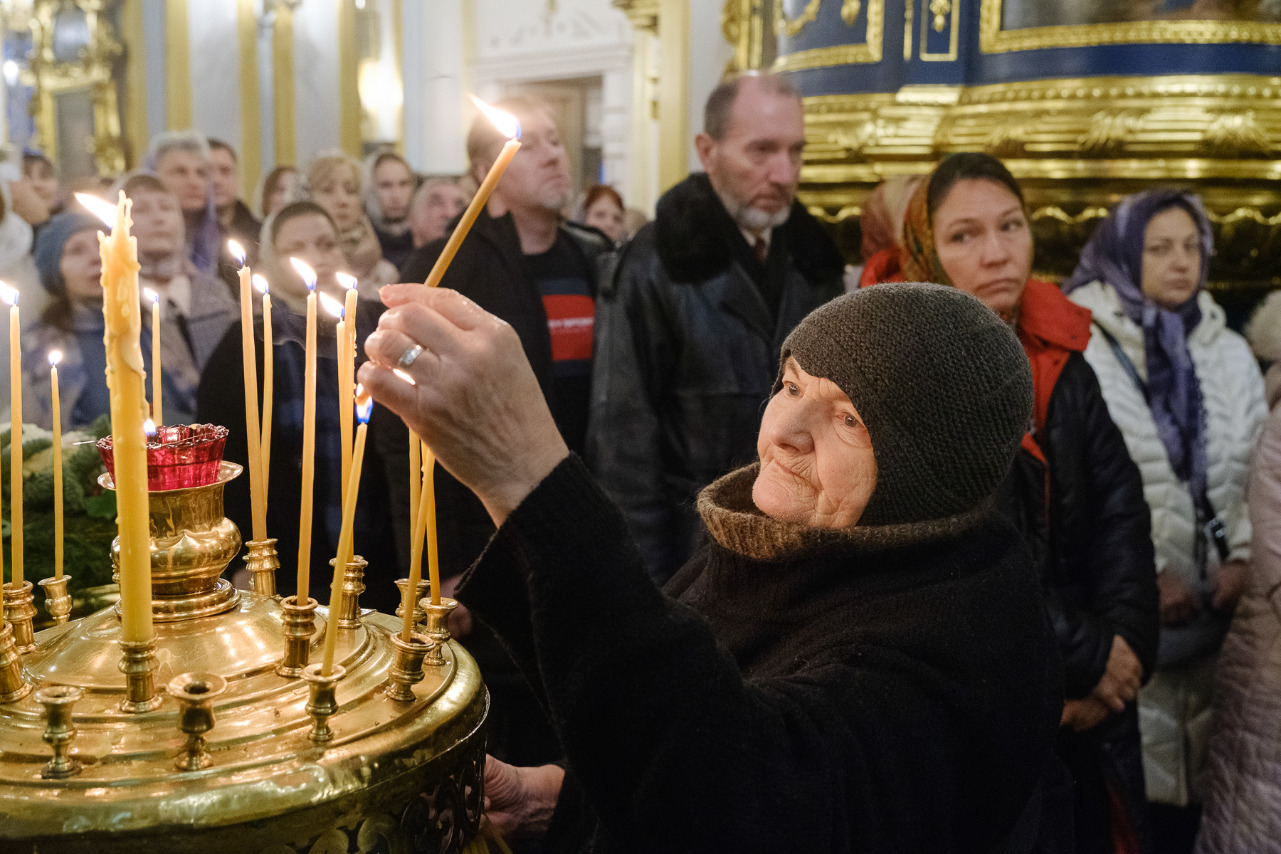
[(195, 693), (138, 664), (57, 601), (420, 593), (324, 700), (13, 686), (19, 609), (59, 729), (353, 584), (262, 563), (438, 627), (406, 668), (299, 623)]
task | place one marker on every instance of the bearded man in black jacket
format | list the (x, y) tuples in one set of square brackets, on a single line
[(689, 328)]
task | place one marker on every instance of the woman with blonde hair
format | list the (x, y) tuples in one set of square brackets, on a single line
[(336, 182)]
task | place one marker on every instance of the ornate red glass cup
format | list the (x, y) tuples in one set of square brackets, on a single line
[(178, 457)]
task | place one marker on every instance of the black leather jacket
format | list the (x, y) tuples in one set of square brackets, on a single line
[(686, 354), (1095, 555)]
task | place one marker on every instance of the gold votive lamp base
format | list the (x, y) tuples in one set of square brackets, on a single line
[(437, 627), (419, 613), (299, 624), (13, 685)]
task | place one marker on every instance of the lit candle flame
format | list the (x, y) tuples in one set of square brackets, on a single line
[(260, 282), (103, 210), (8, 293), (364, 404), (149, 427), (331, 305), (506, 123), (347, 280), (404, 376), (304, 270), (55, 358), (151, 295), (237, 251)]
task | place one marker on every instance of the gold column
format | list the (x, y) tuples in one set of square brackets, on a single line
[(136, 130), (673, 104), (177, 66), (398, 45), (250, 142), (282, 60), (348, 91)]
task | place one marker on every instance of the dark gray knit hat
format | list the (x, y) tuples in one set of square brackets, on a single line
[(942, 384)]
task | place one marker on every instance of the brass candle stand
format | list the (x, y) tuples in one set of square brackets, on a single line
[(438, 627), (419, 594), (57, 601), (13, 685), (299, 623), (324, 699), (407, 667), (195, 693), (353, 584), (138, 664), (19, 611), (59, 729), (262, 563)]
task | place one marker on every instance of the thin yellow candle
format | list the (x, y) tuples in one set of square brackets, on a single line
[(415, 477), (249, 363), (346, 375), (507, 124), (364, 405), (424, 530), (55, 356), (15, 433), (308, 433), (268, 384), (128, 412), (157, 395)]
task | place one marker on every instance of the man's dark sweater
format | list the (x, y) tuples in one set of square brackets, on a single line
[(872, 689)]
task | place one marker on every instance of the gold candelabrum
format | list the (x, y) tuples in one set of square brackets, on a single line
[(250, 748)]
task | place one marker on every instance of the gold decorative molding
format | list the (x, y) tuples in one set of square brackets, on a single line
[(90, 72), (941, 10), (907, 29), (791, 27), (642, 13), (282, 85), (177, 66), (869, 51), (135, 113), (994, 39), (250, 140), (349, 110), (850, 10)]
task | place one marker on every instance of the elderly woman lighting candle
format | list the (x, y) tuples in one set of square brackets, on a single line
[(303, 230), (858, 662)]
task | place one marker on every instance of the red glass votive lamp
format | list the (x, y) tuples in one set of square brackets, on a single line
[(178, 457)]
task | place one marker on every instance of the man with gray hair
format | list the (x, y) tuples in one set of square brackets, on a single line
[(180, 159), (690, 325)]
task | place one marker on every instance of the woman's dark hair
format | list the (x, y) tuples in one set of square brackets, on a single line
[(297, 209), (967, 166)]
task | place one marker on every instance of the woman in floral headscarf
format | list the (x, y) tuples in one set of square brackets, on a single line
[(1188, 397), (1073, 491)]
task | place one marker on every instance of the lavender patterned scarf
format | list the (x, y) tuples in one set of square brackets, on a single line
[(1114, 255)]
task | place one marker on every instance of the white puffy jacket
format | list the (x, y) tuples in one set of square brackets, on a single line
[(1232, 391), (1174, 707)]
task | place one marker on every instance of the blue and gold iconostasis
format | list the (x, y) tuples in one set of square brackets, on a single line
[(1084, 100)]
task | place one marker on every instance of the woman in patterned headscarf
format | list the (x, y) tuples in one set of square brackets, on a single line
[(1073, 492), (1188, 397)]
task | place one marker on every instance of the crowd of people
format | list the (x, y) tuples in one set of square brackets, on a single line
[(938, 557)]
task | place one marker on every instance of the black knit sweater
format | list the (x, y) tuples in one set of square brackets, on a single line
[(884, 690)]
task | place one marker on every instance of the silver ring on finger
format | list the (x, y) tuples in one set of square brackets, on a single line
[(410, 356)]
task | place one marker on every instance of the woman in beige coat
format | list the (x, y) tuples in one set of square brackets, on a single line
[(1242, 782)]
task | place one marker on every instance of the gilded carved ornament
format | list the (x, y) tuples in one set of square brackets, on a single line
[(790, 27), (940, 9)]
